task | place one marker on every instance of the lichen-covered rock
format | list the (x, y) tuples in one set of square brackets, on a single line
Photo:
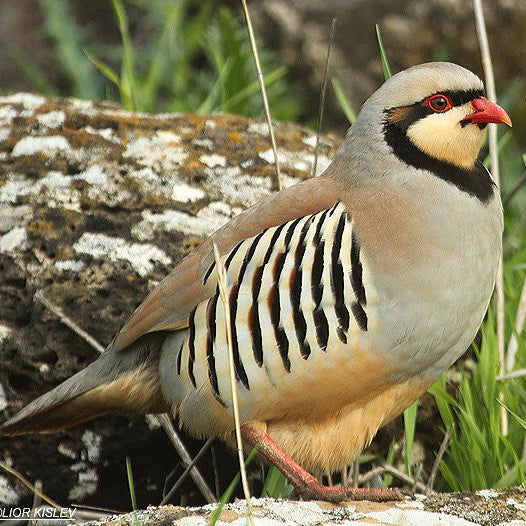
[(96, 205), (507, 508)]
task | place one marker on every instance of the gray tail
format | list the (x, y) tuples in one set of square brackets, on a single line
[(118, 381)]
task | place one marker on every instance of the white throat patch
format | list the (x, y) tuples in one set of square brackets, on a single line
[(441, 136)]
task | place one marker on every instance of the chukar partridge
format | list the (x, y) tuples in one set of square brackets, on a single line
[(349, 293)]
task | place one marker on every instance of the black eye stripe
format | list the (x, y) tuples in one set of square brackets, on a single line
[(419, 109), (457, 98)]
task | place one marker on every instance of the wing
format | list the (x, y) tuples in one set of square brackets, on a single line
[(170, 304), (299, 320)]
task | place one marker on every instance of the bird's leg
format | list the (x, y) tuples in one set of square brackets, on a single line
[(304, 483)]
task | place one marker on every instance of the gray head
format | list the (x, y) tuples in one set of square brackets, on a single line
[(432, 116)]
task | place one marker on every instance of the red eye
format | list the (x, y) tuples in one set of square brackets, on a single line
[(438, 103)]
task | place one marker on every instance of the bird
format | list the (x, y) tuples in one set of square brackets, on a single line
[(349, 294)]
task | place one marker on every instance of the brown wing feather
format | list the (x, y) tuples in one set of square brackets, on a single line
[(167, 306)]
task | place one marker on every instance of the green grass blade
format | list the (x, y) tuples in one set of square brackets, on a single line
[(34, 74), (68, 39), (128, 65), (450, 477), (106, 70), (383, 55), (161, 58), (511, 476), (343, 101), (112, 75), (252, 88), (409, 427), (444, 401), (520, 420), (276, 485), (131, 485), (227, 495), (387, 479), (209, 103)]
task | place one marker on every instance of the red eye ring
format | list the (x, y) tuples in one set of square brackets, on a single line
[(438, 103)]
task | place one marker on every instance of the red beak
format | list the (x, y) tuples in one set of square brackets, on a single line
[(486, 111)]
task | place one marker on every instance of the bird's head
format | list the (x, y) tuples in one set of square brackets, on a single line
[(431, 116), (440, 109)]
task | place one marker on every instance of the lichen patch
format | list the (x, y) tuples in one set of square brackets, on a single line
[(163, 150), (142, 256), (397, 516), (302, 160), (87, 482), (3, 399), (8, 496), (106, 133), (71, 265), (27, 100), (52, 119), (15, 239), (205, 222), (488, 493), (5, 332), (31, 145), (213, 160), (93, 175), (310, 140), (234, 186), (92, 442), (258, 127), (184, 193), (12, 216), (7, 114)]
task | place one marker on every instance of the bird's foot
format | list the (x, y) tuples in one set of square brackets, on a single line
[(304, 483)]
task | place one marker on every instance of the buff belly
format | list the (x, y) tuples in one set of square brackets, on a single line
[(332, 442)]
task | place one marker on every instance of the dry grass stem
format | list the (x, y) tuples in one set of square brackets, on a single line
[(434, 470), (276, 180), (68, 322), (215, 470), (519, 373), (520, 317), (400, 475), (322, 97), (345, 476), (187, 471), (37, 500), (35, 490), (163, 420), (179, 446), (370, 475), (494, 156), (222, 283), (355, 472)]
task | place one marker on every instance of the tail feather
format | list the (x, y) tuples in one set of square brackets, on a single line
[(118, 381)]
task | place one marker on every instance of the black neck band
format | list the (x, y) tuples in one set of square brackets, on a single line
[(475, 181)]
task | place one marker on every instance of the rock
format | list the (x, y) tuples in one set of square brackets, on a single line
[(505, 508), (96, 205)]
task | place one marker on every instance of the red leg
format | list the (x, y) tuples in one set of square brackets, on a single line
[(304, 483)]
